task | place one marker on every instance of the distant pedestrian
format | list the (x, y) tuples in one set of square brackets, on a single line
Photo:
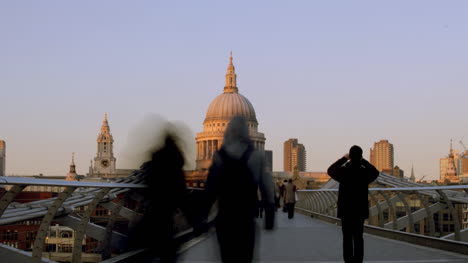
[(290, 198), (277, 195), (283, 195), (234, 178), (354, 175)]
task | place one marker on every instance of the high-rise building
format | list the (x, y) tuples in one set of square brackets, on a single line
[(449, 167), (220, 112), (381, 156), (294, 156), (2, 157)]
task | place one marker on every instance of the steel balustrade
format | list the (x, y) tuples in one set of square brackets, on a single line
[(442, 196), (74, 195)]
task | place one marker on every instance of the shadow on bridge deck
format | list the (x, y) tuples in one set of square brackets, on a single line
[(304, 239)]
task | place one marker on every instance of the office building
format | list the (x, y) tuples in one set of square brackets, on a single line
[(381, 156), (294, 156)]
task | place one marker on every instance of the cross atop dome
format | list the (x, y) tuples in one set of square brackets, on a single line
[(231, 85)]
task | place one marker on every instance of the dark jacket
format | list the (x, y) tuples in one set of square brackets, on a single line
[(237, 193), (354, 179)]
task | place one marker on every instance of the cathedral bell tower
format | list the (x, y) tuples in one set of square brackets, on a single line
[(104, 162)]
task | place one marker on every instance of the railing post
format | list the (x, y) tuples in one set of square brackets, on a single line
[(46, 221), (429, 213), (453, 212), (330, 202), (391, 209), (408, 210), (308, 201), (8, 197), (379, 210), (81, 230), (106, 244), (321, 202)]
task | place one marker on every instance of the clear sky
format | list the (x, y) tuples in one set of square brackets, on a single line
[(330, 73)]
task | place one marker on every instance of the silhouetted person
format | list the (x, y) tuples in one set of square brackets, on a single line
[(165, 192), (234, 178), (283, 194), (290, 198), (277, 188), (354, 175)]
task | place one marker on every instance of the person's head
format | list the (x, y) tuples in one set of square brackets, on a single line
[(355, 153), (290, 181), (237, 131)]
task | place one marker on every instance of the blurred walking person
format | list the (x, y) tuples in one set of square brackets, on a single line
[(290, 198), (234, 178), (164, 194), (354, 175)]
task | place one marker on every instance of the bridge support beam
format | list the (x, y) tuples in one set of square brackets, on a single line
[(379, 209), (8, 197), (429, 213), (106, 245), (77, 242), (46, 221), (391, 208), (453, 212), (409, 214)]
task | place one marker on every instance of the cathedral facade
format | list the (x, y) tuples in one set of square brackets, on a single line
[(221, 110)]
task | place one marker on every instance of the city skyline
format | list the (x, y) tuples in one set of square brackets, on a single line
[(330, 76)]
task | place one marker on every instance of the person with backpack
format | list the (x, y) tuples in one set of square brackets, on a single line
[(234, 178), (354, 175)]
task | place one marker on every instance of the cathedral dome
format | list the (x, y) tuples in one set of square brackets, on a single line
[(228, 105), (220, 112)]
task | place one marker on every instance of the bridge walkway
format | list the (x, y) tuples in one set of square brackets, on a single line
[(303, 239)]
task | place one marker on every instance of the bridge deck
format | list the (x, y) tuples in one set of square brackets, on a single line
[(303, 239)]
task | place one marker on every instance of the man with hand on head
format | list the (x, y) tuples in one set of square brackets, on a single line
[(354, 175)]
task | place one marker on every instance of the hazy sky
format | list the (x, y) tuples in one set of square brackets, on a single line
[(330, 73)]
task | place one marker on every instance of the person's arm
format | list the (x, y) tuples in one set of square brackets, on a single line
[(211, 186), (371, 172), (334, 170), (265, 183)]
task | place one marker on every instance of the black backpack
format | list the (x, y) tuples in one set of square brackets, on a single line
[(237, 189)]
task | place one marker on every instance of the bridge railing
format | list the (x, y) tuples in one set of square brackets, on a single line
[(62, 209), (427, 210)]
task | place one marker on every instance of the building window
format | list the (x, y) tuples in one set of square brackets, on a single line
[(445, 216)]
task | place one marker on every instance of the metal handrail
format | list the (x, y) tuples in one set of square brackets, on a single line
[(448, 187)]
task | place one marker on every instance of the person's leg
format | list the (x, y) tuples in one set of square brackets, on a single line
[(237, 242), (290, 210), (358, 240), (346, 228), (223, 240)]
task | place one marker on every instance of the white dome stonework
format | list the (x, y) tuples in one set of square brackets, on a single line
[(221, 110)]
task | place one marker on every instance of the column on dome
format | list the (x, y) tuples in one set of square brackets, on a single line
[(198, 150), (209, 149), (204, 150)]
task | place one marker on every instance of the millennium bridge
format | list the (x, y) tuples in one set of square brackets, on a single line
[(403, 226)]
